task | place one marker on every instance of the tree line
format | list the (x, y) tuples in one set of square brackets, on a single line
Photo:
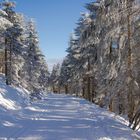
[(23, 62), (102, 63)]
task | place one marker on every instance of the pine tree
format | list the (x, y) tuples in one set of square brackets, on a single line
[(13, 43), (25, 65), (8, 8), (35, 68)]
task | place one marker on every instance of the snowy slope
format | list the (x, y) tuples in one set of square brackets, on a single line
[(11, 98), (57, 117)]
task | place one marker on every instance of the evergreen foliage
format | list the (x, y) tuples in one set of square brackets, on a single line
[(25, 64), (102, 64)]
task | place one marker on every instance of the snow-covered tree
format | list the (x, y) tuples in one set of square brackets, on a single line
[(107, 66), (54, 78), (25, 64), (13, 43), (35, 69)]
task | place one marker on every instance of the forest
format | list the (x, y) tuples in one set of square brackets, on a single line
[(103, 61), (102, 64), (22, 61)]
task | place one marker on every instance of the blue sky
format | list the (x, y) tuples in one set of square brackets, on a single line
[(55, 20)]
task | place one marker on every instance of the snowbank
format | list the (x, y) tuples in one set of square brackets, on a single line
[(11, 98)]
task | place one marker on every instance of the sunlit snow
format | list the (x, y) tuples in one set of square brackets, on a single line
[(57, 117)]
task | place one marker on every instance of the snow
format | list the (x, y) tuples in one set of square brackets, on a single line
[(4, 23), (57, 117), (10, 97)]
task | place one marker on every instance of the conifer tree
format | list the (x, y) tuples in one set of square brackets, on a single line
[(13, 42)]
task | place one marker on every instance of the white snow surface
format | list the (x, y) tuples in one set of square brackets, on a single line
[(57, 117)]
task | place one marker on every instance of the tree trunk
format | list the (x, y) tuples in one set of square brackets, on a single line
[(83, 92), (130, 82), (111, 105), (8, 53), (88, 88), (66, 89), (6, 61), (89, 81)]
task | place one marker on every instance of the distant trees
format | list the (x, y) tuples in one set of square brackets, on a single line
[(54, 78), (75, 75), (25, 64)]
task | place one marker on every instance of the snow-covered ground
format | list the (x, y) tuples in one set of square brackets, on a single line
[(56, 117)]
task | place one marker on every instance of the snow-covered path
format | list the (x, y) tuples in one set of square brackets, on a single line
[(61, 117)]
